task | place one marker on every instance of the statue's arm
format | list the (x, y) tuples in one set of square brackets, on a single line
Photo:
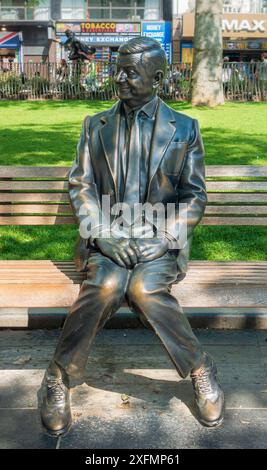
[(83, 191), (192, 188)]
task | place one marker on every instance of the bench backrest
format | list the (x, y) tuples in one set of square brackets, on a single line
[(237, 195)]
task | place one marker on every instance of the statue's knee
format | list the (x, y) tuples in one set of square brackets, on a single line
[(112, 286), (137, 292)]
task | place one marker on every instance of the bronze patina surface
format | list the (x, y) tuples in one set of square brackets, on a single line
[(78, 50), (139, 151)]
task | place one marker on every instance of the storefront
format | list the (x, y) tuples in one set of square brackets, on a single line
[(10, 48), (244, 37), (106, 37), (26, 41)]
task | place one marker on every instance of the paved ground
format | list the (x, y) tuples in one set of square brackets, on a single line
[(133, 397)]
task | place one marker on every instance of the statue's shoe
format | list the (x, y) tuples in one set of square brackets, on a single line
[(55, 406), (209, 396)]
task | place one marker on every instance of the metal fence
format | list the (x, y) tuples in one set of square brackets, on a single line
[(95, 80), (244, 81), (56, 81)]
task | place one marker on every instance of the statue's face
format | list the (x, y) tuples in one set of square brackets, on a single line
[(69, 34), (134, 83)]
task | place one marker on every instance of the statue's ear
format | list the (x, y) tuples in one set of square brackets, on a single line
[(158, 77)]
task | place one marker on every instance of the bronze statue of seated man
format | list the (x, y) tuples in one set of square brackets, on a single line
[(139, 151)]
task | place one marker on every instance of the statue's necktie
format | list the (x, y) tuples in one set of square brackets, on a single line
[(132, 183)]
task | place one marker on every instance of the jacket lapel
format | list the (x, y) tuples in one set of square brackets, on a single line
[(109, 135), (163, 133)]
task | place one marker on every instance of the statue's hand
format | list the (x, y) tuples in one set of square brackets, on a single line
[(150, 248), (119, 250)]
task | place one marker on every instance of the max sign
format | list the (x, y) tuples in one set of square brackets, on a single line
[(243, 25)]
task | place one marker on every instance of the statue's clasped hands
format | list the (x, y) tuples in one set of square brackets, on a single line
[(127, 252)]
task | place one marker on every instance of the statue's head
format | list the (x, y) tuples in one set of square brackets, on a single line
[(141, 66), (69, 33)]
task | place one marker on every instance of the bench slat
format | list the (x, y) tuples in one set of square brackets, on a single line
[(62, 172), (64, 208), (196, 264), (33, 185), (61, 210), (236, 171), (55, 282), (63, 185), (64, 197), (235, 210), (34, 171), (237, 197), (59, 220), (35, 208), (236, 185), (233, 221), (36, 220), (34, 197), (42, 280), (11, 270)]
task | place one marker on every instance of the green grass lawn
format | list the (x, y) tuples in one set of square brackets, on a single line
[(46, 133)]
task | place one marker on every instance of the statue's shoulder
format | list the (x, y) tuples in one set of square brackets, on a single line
[(179, 117), (96, 118), (183, 123), (100, 117)]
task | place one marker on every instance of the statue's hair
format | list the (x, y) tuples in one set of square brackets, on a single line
[(153, 56)]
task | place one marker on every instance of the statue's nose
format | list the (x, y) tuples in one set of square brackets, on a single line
[(120, 77)]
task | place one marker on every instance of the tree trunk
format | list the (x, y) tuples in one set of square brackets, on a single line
[(207, 66)]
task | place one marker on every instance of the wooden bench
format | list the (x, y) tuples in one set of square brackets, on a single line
[(214, 294)]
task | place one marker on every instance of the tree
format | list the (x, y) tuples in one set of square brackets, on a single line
[(207, 65)]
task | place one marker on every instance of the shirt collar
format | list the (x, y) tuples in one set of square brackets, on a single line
[(149, 109)]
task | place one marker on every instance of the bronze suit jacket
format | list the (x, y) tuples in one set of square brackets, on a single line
[(176, 170)]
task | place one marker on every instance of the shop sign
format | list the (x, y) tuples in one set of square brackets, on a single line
[(161, 31), (244, 25), (105, 28), (98, 27), (233, 26), (105, 40), (95, 28)]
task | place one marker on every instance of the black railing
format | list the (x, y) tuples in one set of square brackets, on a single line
[(95, 80)]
